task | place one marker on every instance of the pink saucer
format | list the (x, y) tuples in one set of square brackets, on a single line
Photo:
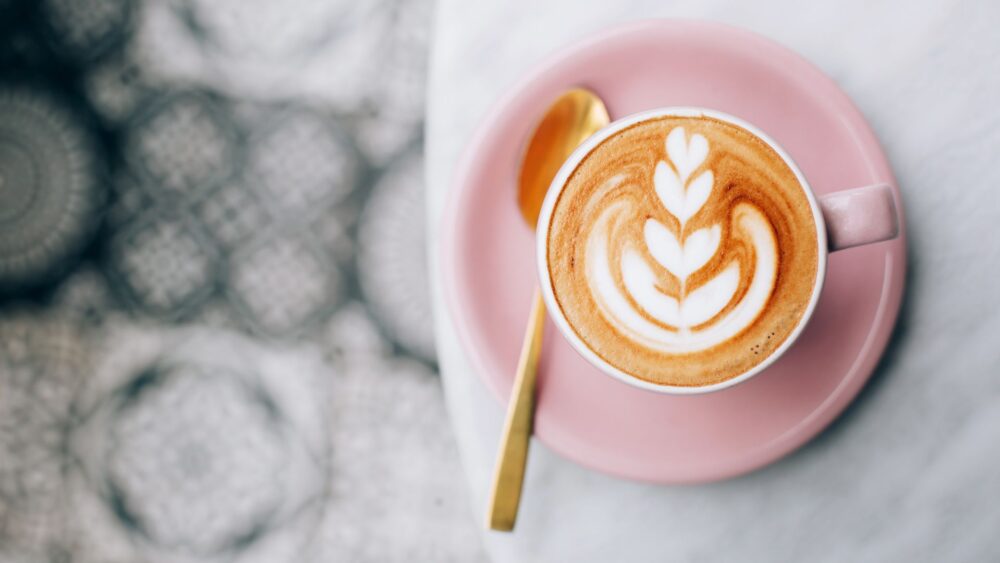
[(489, 264)]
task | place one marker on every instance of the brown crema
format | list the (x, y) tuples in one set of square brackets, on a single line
[(609, 202)]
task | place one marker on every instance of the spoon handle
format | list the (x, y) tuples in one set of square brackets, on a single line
[(508, 475)]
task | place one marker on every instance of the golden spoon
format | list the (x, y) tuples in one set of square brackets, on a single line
[(574, 116)]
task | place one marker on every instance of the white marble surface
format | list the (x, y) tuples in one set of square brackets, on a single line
[(912, 471)]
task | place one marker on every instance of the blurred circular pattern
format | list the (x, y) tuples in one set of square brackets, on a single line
[(391, 414), (163, 264), (283, 284), (350, 336), (232, 214), (196, 457), (50, 185), (129, 199), (302, 160), (183, 145), (262, 29), (398, 97), (42, 365), (114, 87), (392, 258), (247, 137), (87, 28), (84, 296)]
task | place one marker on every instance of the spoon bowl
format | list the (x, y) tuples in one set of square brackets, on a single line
[(574, 116)]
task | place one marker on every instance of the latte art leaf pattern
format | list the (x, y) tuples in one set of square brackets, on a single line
[(682, 250), (688, 320), (680, 199)]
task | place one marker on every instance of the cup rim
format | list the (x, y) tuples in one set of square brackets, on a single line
[(545, 217)]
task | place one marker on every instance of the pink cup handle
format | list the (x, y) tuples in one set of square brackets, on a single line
[(859, 216)]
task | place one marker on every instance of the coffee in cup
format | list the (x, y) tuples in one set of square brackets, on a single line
[(681, 250)]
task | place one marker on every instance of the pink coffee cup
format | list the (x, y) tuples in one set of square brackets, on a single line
[(844, 219)]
